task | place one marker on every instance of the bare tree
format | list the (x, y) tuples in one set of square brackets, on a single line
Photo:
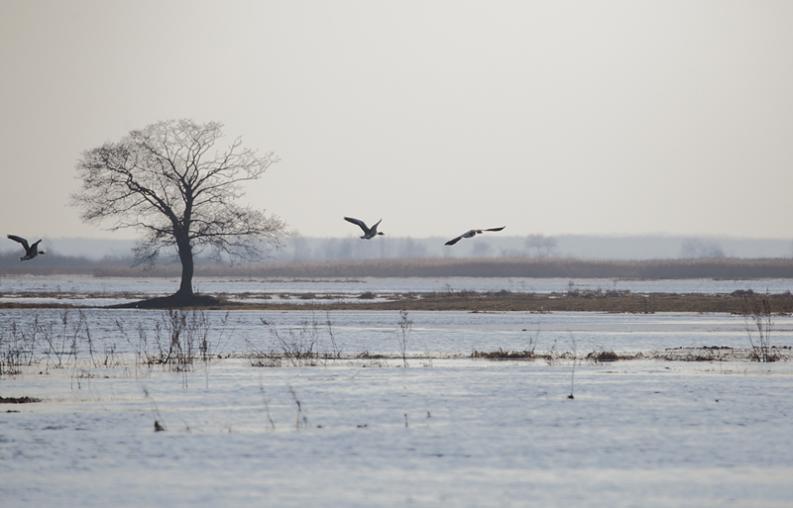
[(543, 246), (700, 248), (480, 248), (172, 181)]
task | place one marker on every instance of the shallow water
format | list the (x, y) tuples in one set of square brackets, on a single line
[(458, 433), (74, 289), (448, 333), (445, 431)]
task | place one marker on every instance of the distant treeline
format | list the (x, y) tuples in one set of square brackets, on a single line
[(713, 268), (507, 245), (723, 268), (50, 264)]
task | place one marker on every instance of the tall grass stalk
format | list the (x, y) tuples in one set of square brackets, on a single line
[(760, 320), (300, 418), (572, 370), (405, 325)]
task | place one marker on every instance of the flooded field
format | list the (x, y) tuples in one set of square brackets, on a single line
[(49, 333), (444, 432), (383, 408), (86, 290)]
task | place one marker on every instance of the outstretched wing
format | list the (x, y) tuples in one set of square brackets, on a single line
[(496, 229), (454, 240), (35, 245), (358, 222), (20, 240)]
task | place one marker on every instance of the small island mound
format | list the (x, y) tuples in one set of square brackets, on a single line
[(173, 302)]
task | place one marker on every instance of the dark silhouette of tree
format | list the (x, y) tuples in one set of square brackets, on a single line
[(176, 183)]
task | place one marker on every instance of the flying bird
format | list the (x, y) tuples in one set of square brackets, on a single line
[(31, 251), (471, 233), (368, 232)]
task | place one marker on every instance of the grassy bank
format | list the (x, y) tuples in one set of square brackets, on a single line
[(555, 302)]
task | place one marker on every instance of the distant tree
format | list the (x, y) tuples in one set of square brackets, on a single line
[(341, 248), (410, 248), (700, 248), (173, 182), (480, 248), (541, 245), (301, 249)]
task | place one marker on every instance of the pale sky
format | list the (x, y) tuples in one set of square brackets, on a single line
[(609, 117)]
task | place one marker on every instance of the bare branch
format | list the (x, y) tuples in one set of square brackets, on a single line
[(162, 181)]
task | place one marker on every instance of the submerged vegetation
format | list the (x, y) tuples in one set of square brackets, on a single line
[(177, 340)]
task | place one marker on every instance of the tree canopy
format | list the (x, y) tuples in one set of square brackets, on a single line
[(174, 182)]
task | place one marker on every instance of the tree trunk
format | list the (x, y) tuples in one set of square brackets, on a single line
[(186, 257)]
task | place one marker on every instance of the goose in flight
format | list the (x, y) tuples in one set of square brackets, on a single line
[(31, 251), (471, 233), (368, 232)]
